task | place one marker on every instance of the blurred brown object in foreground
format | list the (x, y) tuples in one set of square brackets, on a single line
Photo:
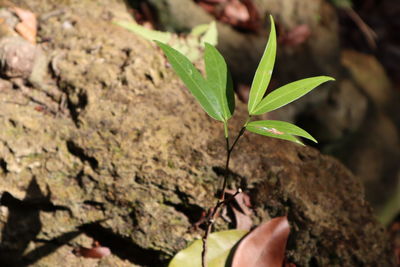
[(241, 14)]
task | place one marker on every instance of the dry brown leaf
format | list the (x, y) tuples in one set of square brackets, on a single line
[(236, 12), (296, 36), (96, 252), (242, 200), (240, 209), (243, 221), (239, 13), (264, 246), (26, 32), (27, 28)]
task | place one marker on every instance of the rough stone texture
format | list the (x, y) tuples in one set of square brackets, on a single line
[(128, 158), (16, 57)]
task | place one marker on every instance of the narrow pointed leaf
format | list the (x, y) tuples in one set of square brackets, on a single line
[(219, 247), (264, 246), (281, 127), (217, 78), (144, 32), (230, 95), (274, 133), (263, 72), (211, 35), (195, 82), (288, 93)]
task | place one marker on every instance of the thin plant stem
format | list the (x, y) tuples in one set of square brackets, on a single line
[(228, 156), (221, 200)]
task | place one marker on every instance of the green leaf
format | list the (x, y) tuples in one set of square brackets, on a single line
[(288, 93), (217, 78), (148, 34), (219, 247), (274, 133), (199, 29), (230, 93), (281, 127), (264, 71), (195, 82), (211, 35)]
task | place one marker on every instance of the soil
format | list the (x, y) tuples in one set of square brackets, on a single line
[(108, 145)]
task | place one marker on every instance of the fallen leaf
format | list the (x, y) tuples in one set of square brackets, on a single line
[(243, 221), (240, 209), (219, 247), (264, 246), (242, 200), (27, 28), (26, 32), (96, 252), (236, 12), (240, 14), (296, 36), (254, 23)]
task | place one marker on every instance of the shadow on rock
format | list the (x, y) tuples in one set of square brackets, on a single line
[(123, 247), (23, 225)]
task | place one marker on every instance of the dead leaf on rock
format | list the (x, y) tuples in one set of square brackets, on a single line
[(27, 28), (242, 200), (243, 221), (96, 252), (240, 209), (241, 14), (236, 12), (264, 246), (296, 36)]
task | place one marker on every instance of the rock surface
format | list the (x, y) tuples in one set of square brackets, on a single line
[(117, 151)]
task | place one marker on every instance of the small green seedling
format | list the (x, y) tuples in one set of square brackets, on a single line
[(215, 95)]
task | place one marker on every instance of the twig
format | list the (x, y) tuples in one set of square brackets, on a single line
[(210, 222), (54, 13), (368, 32), (221, 200)]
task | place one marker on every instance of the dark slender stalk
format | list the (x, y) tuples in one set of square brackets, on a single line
[(221, 200), (228, 157), (237, 138)]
